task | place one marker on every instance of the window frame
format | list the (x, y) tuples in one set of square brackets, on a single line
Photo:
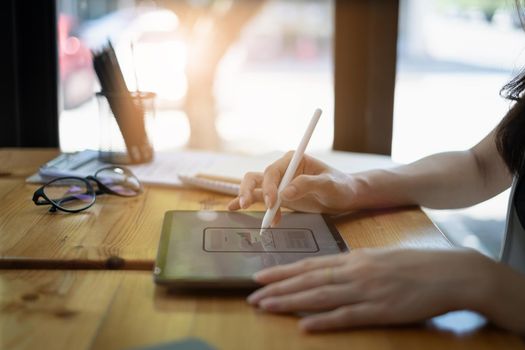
[(365, 55)]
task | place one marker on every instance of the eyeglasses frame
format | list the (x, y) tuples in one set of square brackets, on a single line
[(102, 189)]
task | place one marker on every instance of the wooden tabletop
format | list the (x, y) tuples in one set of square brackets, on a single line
[(57, 290)]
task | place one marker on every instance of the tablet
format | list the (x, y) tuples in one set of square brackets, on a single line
[(221, 249)]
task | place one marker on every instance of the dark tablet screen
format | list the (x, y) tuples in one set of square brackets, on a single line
[(224, 249)]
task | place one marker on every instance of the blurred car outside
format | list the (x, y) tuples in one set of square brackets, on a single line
[(77, 78)]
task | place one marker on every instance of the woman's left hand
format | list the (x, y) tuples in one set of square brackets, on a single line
[(375, 287)]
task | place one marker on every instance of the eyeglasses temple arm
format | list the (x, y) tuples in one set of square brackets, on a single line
[(39, 198)]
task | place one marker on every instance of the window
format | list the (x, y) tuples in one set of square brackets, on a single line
[(453, 58), (258, 82)]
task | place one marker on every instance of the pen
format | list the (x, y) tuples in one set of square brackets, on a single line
[(290, 171)]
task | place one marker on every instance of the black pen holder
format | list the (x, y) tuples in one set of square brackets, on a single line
[(125, 121)]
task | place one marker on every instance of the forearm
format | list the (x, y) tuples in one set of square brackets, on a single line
[(445, 180)]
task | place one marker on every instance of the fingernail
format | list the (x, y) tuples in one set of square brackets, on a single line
[(305, 325), (269, 304), (252, 298), (290, 191), (256, 276), (242, 202), (267, 201)]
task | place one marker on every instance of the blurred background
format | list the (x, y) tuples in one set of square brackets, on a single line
[(240, 76), (245, 76)]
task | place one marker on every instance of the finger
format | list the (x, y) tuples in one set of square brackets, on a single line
[(270, 183), (355, 315), (281, 272), (234, 204), (272, 178), (308, 280), (316, 299), (300, 187), (257, 195), (248, 185)]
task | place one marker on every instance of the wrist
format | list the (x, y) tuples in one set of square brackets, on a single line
[(503, 298), (374, 189), (481, 292), (357, 187)]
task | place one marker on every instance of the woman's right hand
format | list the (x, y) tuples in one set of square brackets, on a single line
[(315, 187)]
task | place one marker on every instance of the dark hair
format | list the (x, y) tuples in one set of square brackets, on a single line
[(510, 133)]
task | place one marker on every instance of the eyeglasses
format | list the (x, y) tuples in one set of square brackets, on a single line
[(73, 194)]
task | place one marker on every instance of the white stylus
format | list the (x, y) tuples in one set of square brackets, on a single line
[(290, 171)]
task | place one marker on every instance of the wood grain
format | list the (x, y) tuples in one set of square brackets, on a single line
[(68, 309), (124, 309), (53, 309), (115, 229), (124, 232), (228, 322), (22, 162)]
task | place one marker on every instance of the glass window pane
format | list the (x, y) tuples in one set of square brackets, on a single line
[(453, 58), (229, 75)]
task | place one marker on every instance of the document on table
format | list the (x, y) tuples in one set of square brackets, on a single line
[(167, 166), (164, 169)]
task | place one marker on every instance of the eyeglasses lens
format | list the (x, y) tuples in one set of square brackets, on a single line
[(70, 194), (120, 181)]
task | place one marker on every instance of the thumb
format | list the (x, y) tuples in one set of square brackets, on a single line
[(299, 187)]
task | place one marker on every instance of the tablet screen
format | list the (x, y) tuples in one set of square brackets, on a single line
[(281, 240), (221, 249)]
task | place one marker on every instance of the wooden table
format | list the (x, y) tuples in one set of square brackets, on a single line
[(84, 281)]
